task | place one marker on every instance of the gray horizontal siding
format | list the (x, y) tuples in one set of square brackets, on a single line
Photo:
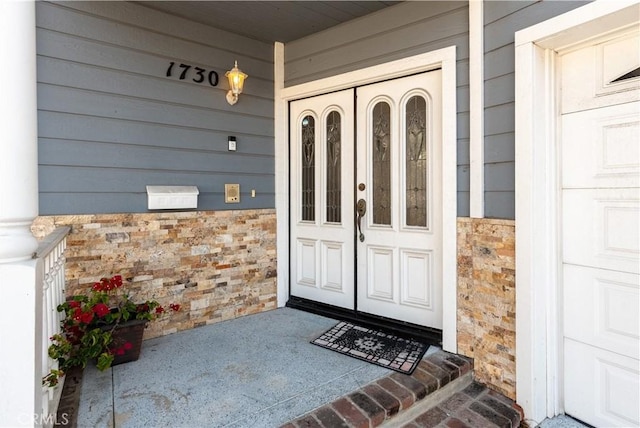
[(103, 78), (501, 21), (501, 149), (400, 31), (83, 179), (123, 107), (406, 40), (463, 202), (92, 202), (132, 157), (497, 9), (73, 126), (112, 122), (495, 201), (462, 154), (499, 62)]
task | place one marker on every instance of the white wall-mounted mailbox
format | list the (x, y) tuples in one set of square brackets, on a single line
[(172, 197)]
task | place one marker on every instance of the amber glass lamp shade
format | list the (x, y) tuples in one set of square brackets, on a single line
[(236, 83)]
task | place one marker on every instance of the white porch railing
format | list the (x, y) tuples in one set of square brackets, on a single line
[(51, 251)]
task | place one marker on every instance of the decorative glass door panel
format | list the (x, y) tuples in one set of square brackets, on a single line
[(380, 147), (308, 165), (322, 229), (334, 165), (416, 194)]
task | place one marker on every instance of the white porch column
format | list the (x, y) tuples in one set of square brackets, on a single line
[(20, 294)]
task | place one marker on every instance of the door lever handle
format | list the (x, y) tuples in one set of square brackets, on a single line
[(361, 209)]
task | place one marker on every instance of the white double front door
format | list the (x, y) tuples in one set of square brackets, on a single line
[(365, 197)]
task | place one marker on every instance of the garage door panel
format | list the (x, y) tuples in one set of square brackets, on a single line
[(602, 309), (589, 75), (601, 148), (601, 228), (602, 387)]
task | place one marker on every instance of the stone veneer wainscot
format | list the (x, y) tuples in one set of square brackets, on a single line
[(487, 300), (217, 264)]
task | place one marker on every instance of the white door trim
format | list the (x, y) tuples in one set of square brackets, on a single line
[(538, 328), (442, 58)]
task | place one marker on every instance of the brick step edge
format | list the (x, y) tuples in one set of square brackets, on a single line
[(462, 405), (380, 400)]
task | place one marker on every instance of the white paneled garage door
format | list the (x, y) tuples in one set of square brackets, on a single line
[(600, 225)]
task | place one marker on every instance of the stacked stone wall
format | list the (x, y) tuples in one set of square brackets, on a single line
[(217, 265), (487, 300)]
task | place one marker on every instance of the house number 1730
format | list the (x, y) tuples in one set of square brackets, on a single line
[(183, 69)]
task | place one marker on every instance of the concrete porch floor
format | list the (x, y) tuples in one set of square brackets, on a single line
[(255, 371)]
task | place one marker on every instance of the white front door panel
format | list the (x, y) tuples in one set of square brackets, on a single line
[(322, 249), (399, 169)]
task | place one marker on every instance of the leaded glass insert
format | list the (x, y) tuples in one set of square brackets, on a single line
[(334, 178), (381, 149), (308, 140), (416, 162)]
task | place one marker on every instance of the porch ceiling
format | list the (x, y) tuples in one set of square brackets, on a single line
[(269, 21)]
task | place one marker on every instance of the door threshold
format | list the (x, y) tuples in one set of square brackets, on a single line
[(407, 330)]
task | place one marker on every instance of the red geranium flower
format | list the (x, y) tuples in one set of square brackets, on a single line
[(128, 345), (86, 317), (74, 334), (108, 284), (117, 280), (159, 310), (101, 309)]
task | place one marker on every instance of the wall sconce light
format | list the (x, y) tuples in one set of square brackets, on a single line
[(236, 83)]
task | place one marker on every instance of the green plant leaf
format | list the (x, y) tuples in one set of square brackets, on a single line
[(104, 361)]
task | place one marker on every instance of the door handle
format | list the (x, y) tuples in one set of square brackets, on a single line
[(361, 209)]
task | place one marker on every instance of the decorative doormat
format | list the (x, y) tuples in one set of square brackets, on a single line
[(374, 346)]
